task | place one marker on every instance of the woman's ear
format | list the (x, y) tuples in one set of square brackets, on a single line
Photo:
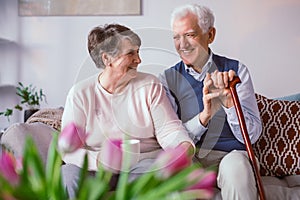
[(106, 59)]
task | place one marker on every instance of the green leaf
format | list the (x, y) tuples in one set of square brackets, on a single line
[(29, 95), (174, 183), (140, 184), (55, 187), (18, 107), (8, 112), (5, 186), (83, 175), (93, 187), (121, 191), (33, 172)]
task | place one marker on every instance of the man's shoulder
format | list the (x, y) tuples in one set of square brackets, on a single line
[(222, 57), (224, 63), (177, 65)]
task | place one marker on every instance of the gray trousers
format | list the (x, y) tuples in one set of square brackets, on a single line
[(71, 175)]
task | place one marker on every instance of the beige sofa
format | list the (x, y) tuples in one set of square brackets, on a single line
[(278, 149)]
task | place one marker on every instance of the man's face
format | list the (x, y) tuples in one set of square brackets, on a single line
[(190, 43)]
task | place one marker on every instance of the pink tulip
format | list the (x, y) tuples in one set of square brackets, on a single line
[(205, 181), (111, 155), (197, 194), (19, 164), (172, 161), (8, 168), (71, 138)]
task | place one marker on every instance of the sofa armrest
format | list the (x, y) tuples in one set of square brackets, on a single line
[(14, 138)]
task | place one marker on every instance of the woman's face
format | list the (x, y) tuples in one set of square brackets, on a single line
[(128, 59)]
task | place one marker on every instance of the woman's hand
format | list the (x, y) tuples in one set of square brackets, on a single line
[(211, 103)]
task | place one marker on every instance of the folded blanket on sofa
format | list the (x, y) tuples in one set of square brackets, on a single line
[(49, 116)]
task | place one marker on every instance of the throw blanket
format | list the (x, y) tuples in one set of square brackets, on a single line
[(49, 116)]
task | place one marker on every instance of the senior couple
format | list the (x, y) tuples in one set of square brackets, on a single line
[(189, 104)]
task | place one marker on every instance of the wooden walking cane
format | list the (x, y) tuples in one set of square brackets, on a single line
[(246, 138)]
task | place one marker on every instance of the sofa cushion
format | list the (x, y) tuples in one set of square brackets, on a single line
[(278, 148), (293, 180)]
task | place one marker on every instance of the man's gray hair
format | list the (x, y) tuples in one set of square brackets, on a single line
[(205, 16)]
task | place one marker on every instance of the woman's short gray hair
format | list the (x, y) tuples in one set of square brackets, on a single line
[(205, 16), (107, 39)]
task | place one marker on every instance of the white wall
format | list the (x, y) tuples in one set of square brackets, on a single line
[(264, 35)]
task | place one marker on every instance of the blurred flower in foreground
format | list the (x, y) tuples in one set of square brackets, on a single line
[(205, 182), (174, 176), (172, 161), (71, 138), (8, 166), (111, 155)]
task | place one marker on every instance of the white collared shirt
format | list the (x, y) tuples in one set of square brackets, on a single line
[(205, 68)]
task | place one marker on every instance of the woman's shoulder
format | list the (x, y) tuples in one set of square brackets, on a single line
[(147, 77), (146, 81), (85, 84)]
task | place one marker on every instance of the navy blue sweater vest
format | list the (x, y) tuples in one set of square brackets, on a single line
[(187, 92)]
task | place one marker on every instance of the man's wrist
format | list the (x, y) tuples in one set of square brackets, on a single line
[(204, 119)]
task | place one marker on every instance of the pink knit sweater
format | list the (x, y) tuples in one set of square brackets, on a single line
[(141, 111)]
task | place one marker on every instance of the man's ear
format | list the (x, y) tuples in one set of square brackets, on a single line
[(211, 34)]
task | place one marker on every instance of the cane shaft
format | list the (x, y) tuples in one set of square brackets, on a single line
[(245, 134)]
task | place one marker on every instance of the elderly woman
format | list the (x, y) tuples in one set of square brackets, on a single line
[(120, 103)]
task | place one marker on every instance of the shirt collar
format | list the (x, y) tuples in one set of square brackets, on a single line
[(205, 68)]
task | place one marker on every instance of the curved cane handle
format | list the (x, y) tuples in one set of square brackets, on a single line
[(234, 82)]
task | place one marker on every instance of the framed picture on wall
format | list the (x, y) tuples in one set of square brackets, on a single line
[(79, 7)]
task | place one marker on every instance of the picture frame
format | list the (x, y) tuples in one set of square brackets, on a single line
[(78, 7)]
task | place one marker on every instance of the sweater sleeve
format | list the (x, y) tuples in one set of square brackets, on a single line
[(168, 128), (73, 112)]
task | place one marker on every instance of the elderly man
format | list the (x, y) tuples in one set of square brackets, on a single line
[(197, 87)]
